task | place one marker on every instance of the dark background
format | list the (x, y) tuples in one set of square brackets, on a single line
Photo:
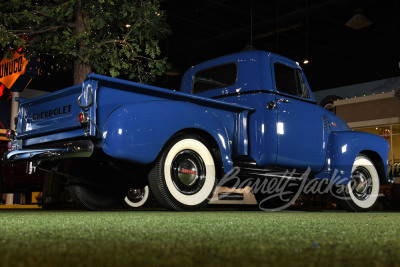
[(5, 107), (298, 29)]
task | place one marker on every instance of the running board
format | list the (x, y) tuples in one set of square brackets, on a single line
[(251, 170), (269, 173)]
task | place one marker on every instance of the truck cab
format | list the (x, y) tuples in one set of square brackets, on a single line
[(287, 128)]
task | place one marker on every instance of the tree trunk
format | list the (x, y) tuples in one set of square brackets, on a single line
[(81, 70)]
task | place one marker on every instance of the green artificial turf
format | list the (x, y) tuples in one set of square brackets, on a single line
[(212, 238)]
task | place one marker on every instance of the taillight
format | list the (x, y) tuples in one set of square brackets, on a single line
[(10, 134), (80, 117), (83, 118)]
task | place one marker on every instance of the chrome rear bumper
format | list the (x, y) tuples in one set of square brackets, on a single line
[(71, 149)]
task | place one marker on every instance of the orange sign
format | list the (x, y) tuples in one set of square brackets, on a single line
[(5, 93), (11, 69)]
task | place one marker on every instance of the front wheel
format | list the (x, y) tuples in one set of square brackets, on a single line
[(361, 193), (184, 177)]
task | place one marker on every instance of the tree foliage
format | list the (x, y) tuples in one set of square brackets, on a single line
[(115, 37)]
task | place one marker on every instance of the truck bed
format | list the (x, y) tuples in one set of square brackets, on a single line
[(54, 117)]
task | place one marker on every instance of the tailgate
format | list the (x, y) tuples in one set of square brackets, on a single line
[(56, 113)]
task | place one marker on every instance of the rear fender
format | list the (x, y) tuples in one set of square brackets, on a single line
[(343, 148), (138, 132)]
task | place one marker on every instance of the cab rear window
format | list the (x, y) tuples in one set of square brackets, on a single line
[(216, 77)]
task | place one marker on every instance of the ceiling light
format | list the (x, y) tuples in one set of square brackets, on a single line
[(305, 61), (358, 21)]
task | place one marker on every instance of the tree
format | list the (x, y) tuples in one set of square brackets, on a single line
[(111, 37)]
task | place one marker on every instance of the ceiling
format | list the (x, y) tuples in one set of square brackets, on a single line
[(298, 29), (314, 29)]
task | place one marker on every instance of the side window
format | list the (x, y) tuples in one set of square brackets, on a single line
[(215, 77), (290, 81), (305, 93)]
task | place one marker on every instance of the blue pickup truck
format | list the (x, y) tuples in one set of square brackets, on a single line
[(253, 110)]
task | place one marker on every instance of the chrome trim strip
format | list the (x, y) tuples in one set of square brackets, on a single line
[(82, 148)]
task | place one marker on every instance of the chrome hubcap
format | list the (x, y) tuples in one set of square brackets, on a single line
[(188, 172), (135, 195), (361, 183)]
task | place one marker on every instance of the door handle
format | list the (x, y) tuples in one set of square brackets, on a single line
[(283, 100)]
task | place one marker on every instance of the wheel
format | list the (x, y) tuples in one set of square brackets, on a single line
[(137, 197), (94, 188), (65, 197), (92, 198), (184, 176), (361, 193), (327, 103)]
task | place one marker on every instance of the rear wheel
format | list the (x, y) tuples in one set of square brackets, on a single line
[(184, 177), (65, 197), (93, 198), (95, 187), (361, 193)]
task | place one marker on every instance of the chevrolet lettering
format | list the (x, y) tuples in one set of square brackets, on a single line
[(51, 113)]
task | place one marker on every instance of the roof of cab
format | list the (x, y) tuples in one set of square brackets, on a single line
[(252, 64)]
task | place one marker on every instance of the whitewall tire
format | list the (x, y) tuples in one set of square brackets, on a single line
[(137, 197), (184, 177), (362, 191)]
